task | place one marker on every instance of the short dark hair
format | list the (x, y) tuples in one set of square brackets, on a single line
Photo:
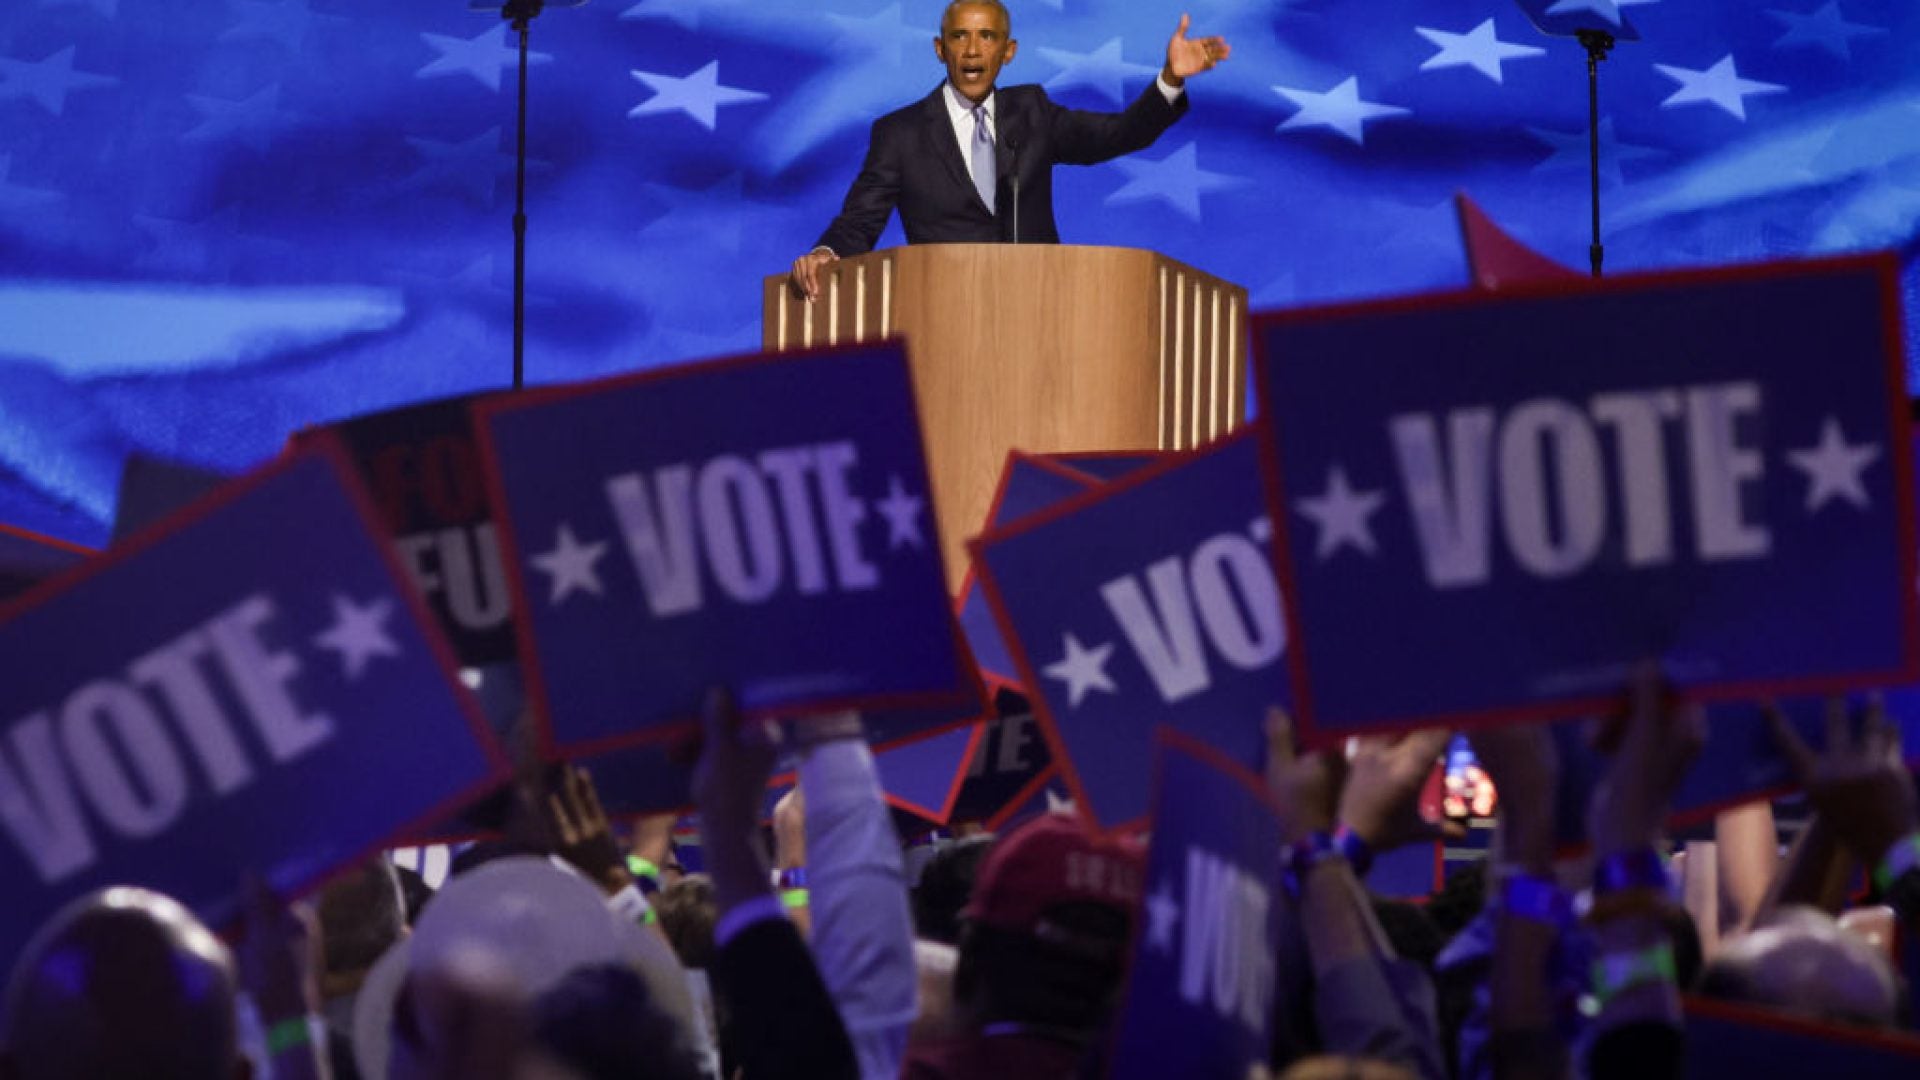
[(362, 914), (688, 912), (1006, 17), (945, 884)]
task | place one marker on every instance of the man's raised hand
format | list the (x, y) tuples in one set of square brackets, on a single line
[(1191, 56)]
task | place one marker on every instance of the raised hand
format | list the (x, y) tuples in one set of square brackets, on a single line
[(1656, 743), (1191, 56), (1305, 787), (1859, 786), (578, 829), (1381, 799)]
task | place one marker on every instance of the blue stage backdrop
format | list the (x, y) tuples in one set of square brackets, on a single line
[(222, 219)]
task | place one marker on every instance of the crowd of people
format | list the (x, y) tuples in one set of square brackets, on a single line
[(575, 948)]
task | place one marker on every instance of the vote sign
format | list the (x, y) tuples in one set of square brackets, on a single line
[(423, 470), (1491, 507), (28, 558), (1150, 600), (1027, 484), (1200, 989), (1723, 1038), (763, 522), (251, 686)]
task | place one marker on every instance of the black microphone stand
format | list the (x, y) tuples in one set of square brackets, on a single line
[(1598, 43), (521, 14)]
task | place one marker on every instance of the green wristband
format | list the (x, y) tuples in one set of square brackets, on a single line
[(1616, 973), (1903, 856), (290, 1034), (793, 898)]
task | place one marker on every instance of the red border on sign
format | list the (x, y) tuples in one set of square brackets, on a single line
[(538, 696), (328, 451), (1886, 1040), (1886, 269), (997, 601), (47, 541)]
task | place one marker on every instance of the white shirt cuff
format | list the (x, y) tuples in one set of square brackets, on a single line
[(1168, 90)]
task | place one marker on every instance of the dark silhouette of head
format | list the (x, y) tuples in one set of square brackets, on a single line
[(123, 983)]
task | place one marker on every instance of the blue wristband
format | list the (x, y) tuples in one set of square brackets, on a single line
[(1353, 849), (1537, 899), (1628, 870)]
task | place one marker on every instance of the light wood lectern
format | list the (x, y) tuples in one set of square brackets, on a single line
[(1039, 347)]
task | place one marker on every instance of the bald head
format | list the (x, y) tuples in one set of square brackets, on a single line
[(123, 983)]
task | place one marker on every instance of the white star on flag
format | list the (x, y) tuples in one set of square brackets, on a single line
[(48, 81), (570, 566), (1606, 9), (1478, 49), (358, 634), (699, 95), (1826, 28), (484, 57), (1719, 85), (1163, 911), (1833, 468), (1342, 514), (1339, 108), (1102, 70), (1083, 670), (902, 512)]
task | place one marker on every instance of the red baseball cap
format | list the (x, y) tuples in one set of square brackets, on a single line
[(1054, 860)]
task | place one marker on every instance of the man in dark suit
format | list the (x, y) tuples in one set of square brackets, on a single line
[(956, 163)]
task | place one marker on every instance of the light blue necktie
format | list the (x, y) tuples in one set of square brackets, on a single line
[(984, 177)]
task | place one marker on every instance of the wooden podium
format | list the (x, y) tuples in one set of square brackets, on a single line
[(1042, 348)]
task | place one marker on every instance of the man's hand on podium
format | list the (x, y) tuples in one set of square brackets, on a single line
[(805, 278), (1187, 57)]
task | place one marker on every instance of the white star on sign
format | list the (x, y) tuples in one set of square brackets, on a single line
[(48, 81), (358, 634), (902, 512), (483, 57), (570, 565), (699, 95), (1833, 468), (251, 121), (1083, 670), (1339, 108), (1478, 49), (1720, 85), (1341, 514), (1102, 70), (1163, 911)]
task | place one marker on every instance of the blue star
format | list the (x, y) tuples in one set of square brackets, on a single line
[(1102, 70), (109, 8), (717, 216), (879, 34), (687, 13), (1176, 179), (473, 166), (285, 21), (699, 95), (251, 121), (483, 57), (1571, 151), (1720, 85), (1339, 108), (18, 196), (1478, 48), (48, 81), (1825, 28)]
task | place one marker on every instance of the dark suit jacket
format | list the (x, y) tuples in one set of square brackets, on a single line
[(783, 1024), (914, 165)]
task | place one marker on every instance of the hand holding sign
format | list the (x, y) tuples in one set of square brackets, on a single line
[(1860, 786), (1657, 740), (1305, 787)]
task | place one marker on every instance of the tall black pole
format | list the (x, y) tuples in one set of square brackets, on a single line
[(1598, 43), (521, 13)]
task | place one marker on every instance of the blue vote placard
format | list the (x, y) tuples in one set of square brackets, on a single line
[(1491, 507), (1724, 1039), (1012, 753), (1028, 484), (1150, 600), (250, 686), (28, 558), (422, 468), (762, 522), (1200, 989)]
